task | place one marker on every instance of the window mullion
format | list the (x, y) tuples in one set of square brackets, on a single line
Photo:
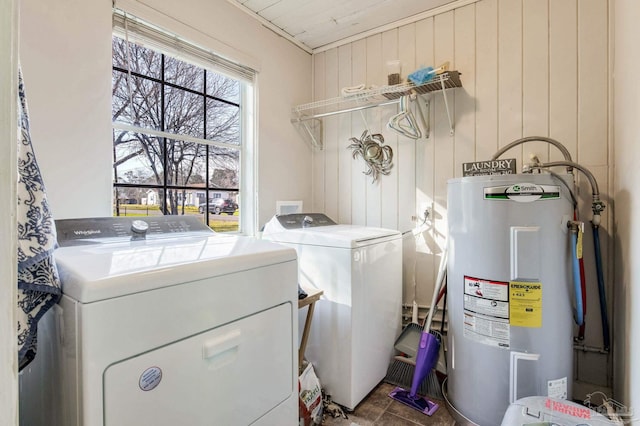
[(165, 156), (161, 134), (175, 86), (206, 150)]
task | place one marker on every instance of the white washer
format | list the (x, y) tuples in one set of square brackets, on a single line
[(357, 320), (184, 327)]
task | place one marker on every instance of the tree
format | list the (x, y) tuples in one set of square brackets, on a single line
[(166, 94)]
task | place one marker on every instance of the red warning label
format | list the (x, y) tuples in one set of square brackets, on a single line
[(486, 311)]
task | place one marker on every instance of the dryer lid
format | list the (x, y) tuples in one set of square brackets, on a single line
[(116, 267)]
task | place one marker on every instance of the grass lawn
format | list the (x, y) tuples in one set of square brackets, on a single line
[(138, 210)]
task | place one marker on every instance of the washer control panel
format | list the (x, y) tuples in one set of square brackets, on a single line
[(304, 220)]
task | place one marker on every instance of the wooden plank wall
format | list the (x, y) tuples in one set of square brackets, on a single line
[(529, 67)]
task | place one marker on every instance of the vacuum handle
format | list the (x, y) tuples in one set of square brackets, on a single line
[(436, 289)]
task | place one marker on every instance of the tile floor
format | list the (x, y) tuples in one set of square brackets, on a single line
[(377, 409)]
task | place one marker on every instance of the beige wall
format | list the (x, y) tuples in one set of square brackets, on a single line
[(8, 225), (66, 57), (528, 68), (627, 203)]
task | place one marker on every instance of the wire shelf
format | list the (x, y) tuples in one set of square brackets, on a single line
[(369, 98)]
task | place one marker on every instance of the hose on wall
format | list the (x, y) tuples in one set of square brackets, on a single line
[(603, 298), (577, 283)]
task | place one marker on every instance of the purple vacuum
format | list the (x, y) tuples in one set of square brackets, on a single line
[(426, 356), (425, 360)]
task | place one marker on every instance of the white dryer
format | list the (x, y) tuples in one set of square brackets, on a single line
[(178, 325), (358, 318)]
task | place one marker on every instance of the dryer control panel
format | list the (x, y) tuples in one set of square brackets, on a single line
[(74, 232)]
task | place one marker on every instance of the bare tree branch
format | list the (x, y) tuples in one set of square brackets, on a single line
[(143, 102)]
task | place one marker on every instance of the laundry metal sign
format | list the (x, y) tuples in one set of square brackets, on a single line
[(491, 167)]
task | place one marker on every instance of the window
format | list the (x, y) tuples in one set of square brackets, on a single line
[(177, 136)]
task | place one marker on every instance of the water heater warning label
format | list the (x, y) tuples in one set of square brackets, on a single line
[(557, 388), (525, 309), (486, 311)]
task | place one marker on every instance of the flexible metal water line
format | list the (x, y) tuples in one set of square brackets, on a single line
[(592, 180), (596, 205), (565, 152)]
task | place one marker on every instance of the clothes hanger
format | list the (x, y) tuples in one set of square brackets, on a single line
[(425, 118), (404, 122)]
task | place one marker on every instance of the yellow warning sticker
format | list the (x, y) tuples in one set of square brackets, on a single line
[(525, 304), (579, 245)]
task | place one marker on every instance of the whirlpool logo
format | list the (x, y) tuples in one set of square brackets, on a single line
[(87, 232)]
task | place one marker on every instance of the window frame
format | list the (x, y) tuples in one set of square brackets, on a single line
[(246, 107)]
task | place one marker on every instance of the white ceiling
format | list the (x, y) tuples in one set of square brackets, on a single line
[(312, 24)]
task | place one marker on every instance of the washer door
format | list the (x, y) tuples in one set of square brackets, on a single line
[(232, 374)]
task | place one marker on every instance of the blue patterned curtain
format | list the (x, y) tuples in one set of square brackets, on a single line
[(38, 280)]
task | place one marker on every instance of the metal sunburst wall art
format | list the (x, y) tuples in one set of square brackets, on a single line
[(377, 157)]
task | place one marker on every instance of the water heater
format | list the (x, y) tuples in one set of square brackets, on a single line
[(509, 292)]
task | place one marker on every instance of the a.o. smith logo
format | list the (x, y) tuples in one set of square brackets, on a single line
[(522, 192)]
